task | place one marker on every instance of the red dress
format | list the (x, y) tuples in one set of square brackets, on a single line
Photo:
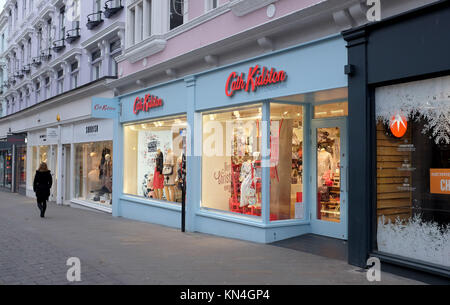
[(158, 180)]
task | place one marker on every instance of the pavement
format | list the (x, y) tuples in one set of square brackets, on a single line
[(120, 251)]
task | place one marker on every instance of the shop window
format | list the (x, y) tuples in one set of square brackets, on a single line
[(93, 171), (286, 162), (231, 160), (5, 168), (153, 156), (413, 170)]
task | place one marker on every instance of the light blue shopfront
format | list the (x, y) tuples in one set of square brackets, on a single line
[(310, 67)]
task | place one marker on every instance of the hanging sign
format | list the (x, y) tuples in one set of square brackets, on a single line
[(105, 108), (398, 126), (256, 77), (146, 104), (440, 181)]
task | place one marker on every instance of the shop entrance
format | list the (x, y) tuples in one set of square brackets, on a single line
[(329, 177)]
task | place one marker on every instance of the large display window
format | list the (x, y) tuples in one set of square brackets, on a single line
[(286, 161), (154, 154), (5, 168), (21, 178), (413, 170), (93, 172), (231, 161)]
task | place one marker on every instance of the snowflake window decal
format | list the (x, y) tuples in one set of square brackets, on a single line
[(427, 99)]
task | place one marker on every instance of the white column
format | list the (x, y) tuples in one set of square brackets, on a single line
[(138, 24), (106, 62), (130, 28), (72, 170), (60, 173), (146, 19)]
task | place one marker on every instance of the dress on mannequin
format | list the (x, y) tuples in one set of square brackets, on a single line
[(324, 164), (107, 173)]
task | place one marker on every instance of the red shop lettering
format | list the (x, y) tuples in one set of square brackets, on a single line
[(147, 103), (256, 78)]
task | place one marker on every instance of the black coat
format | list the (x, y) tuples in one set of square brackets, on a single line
[(159, 162), (42, 184)]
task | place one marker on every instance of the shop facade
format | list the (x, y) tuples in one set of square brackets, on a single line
[(399, 83), (13, 154), (76, 146), (79, 156), (262, 145)]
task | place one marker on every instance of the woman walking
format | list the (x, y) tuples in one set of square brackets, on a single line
[(41, 186)]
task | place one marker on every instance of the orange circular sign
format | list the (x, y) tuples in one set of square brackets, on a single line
[(398, 126)]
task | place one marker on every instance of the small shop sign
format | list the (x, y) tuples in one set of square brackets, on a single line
[(255, 78), (105, 108), (440, 181), (52, 134)]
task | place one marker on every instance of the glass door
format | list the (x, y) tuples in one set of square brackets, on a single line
[(329, 178)]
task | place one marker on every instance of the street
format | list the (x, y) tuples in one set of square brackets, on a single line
[(119, 251)]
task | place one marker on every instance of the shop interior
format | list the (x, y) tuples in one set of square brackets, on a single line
[(231, 163), (93, 176), (154, 154)]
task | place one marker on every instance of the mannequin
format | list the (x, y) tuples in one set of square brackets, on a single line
[(158, 178), (169, 180), (107, 173), (324, 164)]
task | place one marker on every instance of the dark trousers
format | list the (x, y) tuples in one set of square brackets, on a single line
[(42, 205)]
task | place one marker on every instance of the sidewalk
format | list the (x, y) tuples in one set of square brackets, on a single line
[(120, 251)]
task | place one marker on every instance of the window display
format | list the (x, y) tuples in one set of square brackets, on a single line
[(286, 155), (93, 172), (413, 170), (21, 155), (231, 162), (153, 154), (5, 168), (328, 174)]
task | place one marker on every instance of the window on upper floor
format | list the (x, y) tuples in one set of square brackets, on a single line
[(39, 40), (24, 8), (62, 27), (114, 67), (74, 66), (96, 55), (177, 13), (114, 46), (60, 86), (74, 75), (211, 4), (96, 70), (47, 87), (29, 50), (49, 31), (74, 80)]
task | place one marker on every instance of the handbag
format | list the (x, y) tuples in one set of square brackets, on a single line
[(167, 170)]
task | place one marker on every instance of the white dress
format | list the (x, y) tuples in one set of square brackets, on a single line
[(248, 192)]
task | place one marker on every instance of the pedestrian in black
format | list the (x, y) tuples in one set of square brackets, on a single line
[(41, 186)]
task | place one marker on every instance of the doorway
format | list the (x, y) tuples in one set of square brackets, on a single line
[(329, 177)]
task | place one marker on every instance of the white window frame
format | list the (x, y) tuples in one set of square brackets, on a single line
[(209, 5)]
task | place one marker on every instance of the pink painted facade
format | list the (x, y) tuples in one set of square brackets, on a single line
[(222, 25)]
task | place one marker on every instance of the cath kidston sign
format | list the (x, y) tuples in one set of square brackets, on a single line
[(256, 77)]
